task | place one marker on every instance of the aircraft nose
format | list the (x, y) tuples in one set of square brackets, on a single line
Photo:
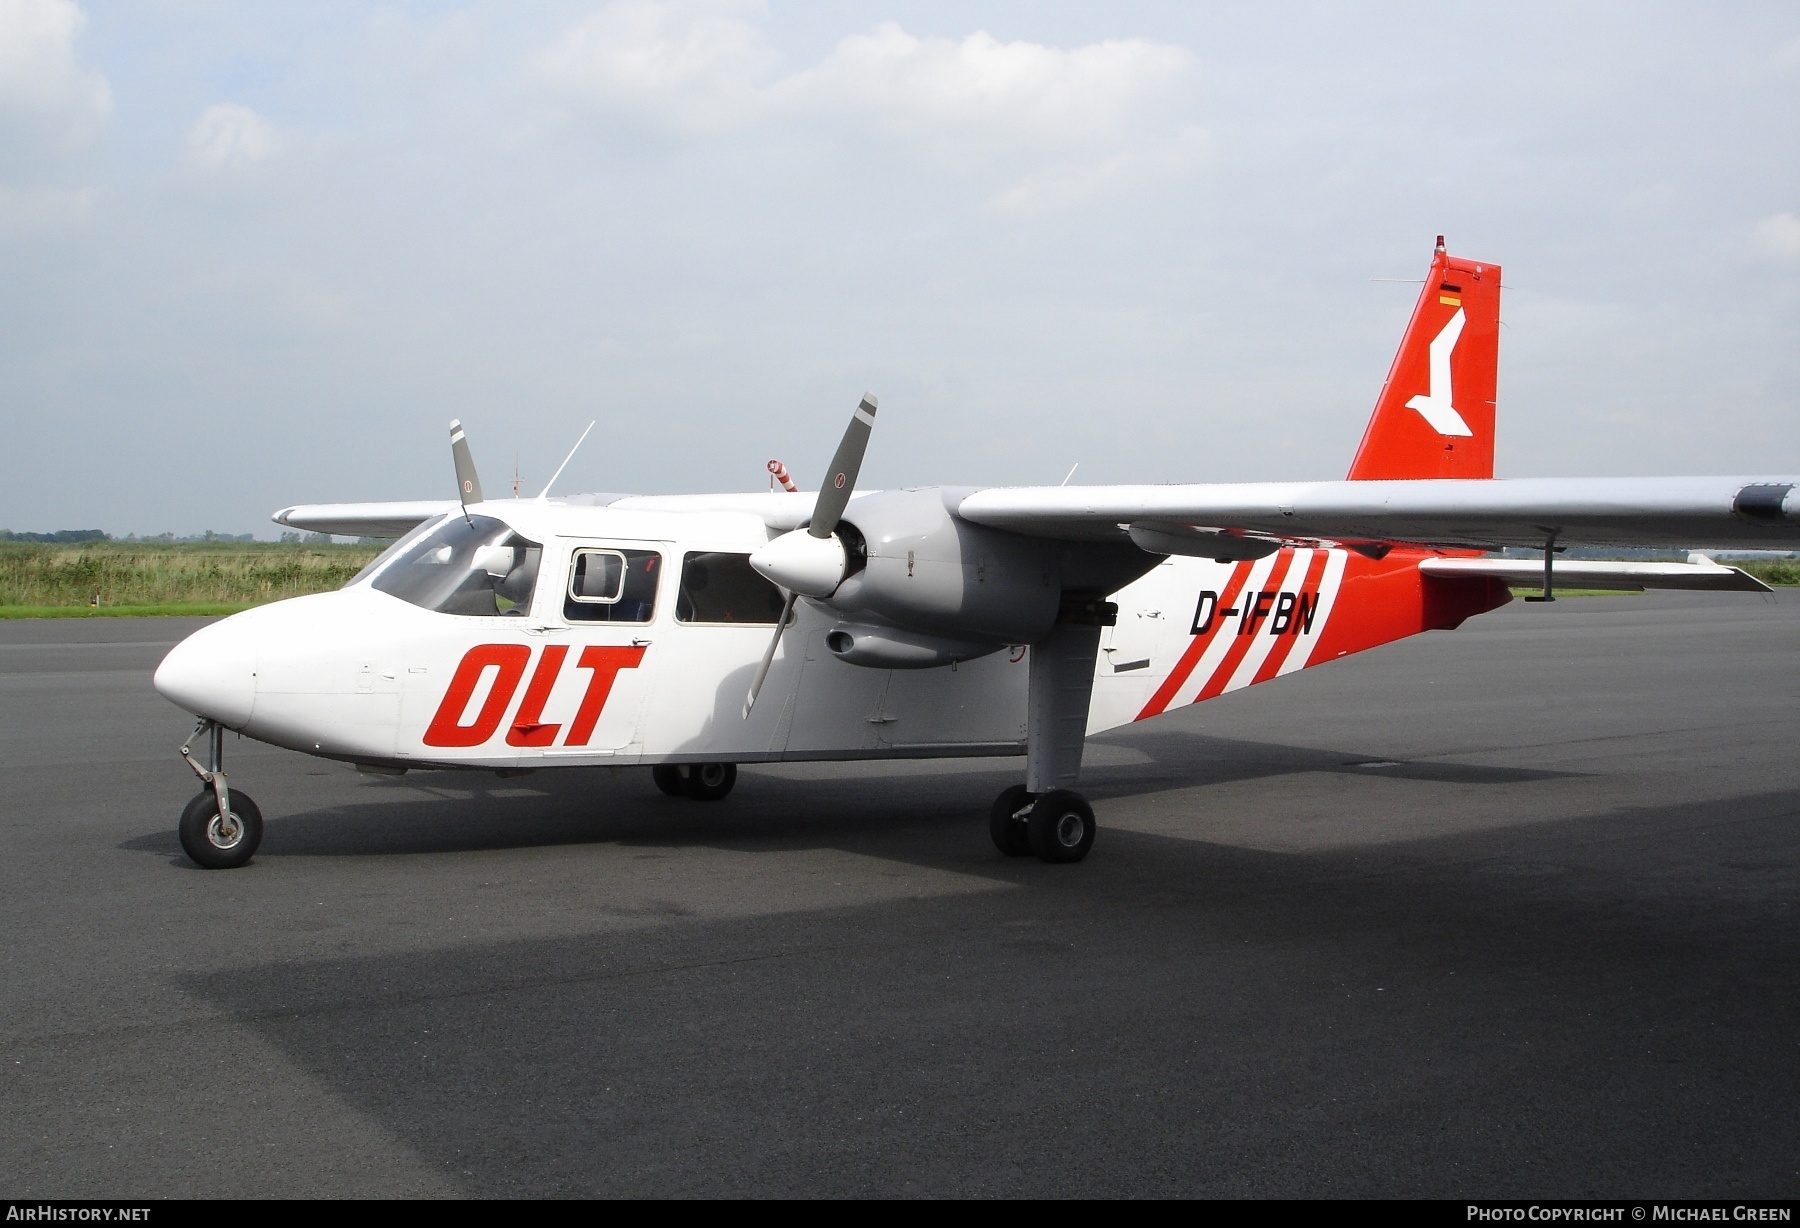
[(212, 673)]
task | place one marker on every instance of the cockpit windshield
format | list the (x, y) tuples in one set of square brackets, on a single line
[(471, 565), (394, 548)]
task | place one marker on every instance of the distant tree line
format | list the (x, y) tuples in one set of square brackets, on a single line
[(60, 536), (63, 537)]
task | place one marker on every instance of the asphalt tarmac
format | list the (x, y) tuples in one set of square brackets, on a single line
[(1506, 911)]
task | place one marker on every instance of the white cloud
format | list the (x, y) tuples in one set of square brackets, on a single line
[(45, 97), (692, 67), (1778, 235), (227, 134), (1051, 125), (1058, 124)]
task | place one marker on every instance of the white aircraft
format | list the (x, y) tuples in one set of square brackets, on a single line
[(692, 633)]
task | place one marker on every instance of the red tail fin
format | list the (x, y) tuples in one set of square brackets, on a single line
[(1435, 415)]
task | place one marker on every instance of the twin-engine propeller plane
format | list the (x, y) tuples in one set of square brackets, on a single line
[(692, 633)]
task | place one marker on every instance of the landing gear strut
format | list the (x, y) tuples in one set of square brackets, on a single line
[(1042, 816), (1057, 826), (221, 827), (704, 782)]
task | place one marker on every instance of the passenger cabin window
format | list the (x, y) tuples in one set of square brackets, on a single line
[(470, 565), (612, 586), (724, 588)]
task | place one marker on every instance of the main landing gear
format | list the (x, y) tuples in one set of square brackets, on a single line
[(704, 782), (1043, 816), (221, 827), (1057, 826)]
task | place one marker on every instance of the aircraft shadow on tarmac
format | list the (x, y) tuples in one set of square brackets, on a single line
[(1204, 1021), (839, 806)]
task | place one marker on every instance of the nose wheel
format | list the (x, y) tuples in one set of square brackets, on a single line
[(221, 827), (1057, 826), (218, 842)]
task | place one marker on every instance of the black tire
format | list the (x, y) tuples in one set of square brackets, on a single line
[(668, 778), (205, 840), (1061, 826), (708, 782), (1007, 826)]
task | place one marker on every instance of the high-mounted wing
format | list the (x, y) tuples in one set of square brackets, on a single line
[(1241, 520), (363, 519)]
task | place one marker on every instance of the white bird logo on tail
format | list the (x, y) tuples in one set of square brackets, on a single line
[(1435, 406)]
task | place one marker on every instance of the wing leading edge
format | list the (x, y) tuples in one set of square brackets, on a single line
[(363, 519), (1241, 519)]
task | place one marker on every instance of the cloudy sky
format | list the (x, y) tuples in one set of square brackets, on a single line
[(256, 254)]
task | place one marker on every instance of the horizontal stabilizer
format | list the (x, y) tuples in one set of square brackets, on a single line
[(363, 519), (1581, 573)]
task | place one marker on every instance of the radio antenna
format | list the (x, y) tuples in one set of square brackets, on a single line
[(571, 456)]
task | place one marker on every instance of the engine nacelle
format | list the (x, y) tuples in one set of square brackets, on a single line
[(893, 648), (925, 570)]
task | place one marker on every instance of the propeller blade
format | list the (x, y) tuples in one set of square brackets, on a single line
[(840, 479), (834, 496), (468, 486), (762, 671)]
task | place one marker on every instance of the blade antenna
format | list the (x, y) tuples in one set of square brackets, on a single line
[(468, 485), (828, 509), (571, 456)]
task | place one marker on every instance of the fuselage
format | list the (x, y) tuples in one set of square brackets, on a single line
[(528, 635)]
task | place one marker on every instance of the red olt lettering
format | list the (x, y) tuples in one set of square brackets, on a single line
[(528, 728)]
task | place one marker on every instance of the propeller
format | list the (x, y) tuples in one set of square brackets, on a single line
[(811, 561), (468, 486)]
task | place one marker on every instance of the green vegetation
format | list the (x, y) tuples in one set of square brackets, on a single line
[(134, 578), (1776, 573), (192, 609), (137, 577)]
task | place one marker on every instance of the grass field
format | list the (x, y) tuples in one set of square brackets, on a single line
[(1778, 573), (164, 578), (146, 578)]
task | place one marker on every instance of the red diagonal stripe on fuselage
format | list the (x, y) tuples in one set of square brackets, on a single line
[(1241, 643), (1197, 647), (1315, 576)]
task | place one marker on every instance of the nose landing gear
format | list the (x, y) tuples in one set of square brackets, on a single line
[(221, 827)]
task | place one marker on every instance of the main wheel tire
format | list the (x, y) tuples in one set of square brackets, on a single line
[(216, 845), (1006, 826), (1061, 826), (708, 782), (668, 778)]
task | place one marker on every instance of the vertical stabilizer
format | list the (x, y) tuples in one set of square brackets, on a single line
[(1435, 415)]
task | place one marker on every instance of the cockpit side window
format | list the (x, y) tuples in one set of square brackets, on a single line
[(608, 585), (723, 588), (470, 565)]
